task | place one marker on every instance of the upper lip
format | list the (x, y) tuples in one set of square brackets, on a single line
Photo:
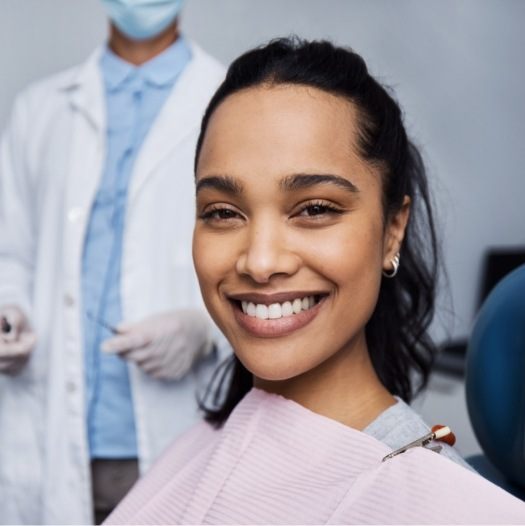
[(276, 297)]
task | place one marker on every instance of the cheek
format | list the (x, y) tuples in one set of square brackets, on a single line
[(349, 254), (204, 261), (352, 260), (212, 263)]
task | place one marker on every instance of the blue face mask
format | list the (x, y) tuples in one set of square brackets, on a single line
[(142, 19)]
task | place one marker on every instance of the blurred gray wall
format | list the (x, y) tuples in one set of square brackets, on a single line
[(457, 67)]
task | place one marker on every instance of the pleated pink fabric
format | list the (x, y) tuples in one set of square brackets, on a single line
[(275, 462)]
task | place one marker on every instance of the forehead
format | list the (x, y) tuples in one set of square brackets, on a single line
[(281, 129)]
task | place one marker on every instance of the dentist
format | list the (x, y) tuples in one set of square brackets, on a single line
[(104, 339)]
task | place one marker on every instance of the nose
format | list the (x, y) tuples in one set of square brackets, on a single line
[(267, 253)]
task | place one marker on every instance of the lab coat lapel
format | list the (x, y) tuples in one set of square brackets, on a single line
[(84, 89), (179, 117), (85, 94)]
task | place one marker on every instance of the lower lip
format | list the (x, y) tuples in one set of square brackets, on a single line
[(279, 327)]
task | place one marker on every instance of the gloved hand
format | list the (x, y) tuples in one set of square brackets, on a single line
[(17, 340), (164, 345)]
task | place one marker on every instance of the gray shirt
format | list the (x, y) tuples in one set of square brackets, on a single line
[(400, 425)]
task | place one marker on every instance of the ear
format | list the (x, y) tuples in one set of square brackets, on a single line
[(394, 233)]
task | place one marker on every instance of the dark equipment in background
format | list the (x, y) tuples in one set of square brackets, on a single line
[(497, 264)]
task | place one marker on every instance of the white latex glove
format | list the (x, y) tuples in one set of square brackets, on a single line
[(165, 346), (17, 344)]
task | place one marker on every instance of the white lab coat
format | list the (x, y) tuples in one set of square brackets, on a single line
[(51, 160)]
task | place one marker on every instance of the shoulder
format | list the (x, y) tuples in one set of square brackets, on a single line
[(195, 440), (51, 84), (48, 92), (208, 68), (190, 449), (196, 85), (424, 488), (400, 425), (205, 59)]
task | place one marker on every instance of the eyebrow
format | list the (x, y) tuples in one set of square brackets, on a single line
[(229, 185), (223, 183), (300, 181)]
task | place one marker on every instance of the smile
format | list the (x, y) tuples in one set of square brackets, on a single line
[(274, 311), (271, 316)]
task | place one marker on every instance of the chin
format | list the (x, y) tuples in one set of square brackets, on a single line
[(272, 370)]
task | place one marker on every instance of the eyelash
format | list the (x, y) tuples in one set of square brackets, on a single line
[(215, 211), (326, 209)]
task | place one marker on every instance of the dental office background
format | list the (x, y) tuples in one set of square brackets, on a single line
[(458, 70)]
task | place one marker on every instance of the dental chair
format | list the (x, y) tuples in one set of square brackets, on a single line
[(495, 384)]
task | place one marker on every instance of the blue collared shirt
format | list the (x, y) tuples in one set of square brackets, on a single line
[(134, 98)]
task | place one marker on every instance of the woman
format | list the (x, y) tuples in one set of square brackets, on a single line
[(316, 256)]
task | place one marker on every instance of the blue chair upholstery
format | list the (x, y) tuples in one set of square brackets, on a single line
[(495, 383)]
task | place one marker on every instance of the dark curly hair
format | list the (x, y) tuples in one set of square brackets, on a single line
[(396, 334)]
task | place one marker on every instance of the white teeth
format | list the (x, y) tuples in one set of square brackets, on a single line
[(277, 310), (274, 311), (287, 309), (261, 311)]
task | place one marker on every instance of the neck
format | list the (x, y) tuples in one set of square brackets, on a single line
[(138, 52), (344, 388)]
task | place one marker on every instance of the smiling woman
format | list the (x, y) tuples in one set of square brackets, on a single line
[(305, 226), (315, 250), (304, 171)]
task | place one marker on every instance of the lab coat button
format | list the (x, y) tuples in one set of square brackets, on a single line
[(69, 300), (74, 214), (71, 387)]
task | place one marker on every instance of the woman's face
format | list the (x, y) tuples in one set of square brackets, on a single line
[(290, 239)]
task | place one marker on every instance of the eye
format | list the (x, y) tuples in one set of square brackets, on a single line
[(219, 214), (318, 208)]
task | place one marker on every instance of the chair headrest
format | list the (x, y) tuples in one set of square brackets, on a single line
[(495, 378)]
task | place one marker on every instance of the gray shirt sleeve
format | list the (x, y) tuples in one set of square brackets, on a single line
[(400, 425)]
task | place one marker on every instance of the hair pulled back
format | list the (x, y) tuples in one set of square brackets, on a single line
[(399, 345)]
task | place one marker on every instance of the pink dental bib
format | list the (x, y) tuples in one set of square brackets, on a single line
[(275, 462)]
